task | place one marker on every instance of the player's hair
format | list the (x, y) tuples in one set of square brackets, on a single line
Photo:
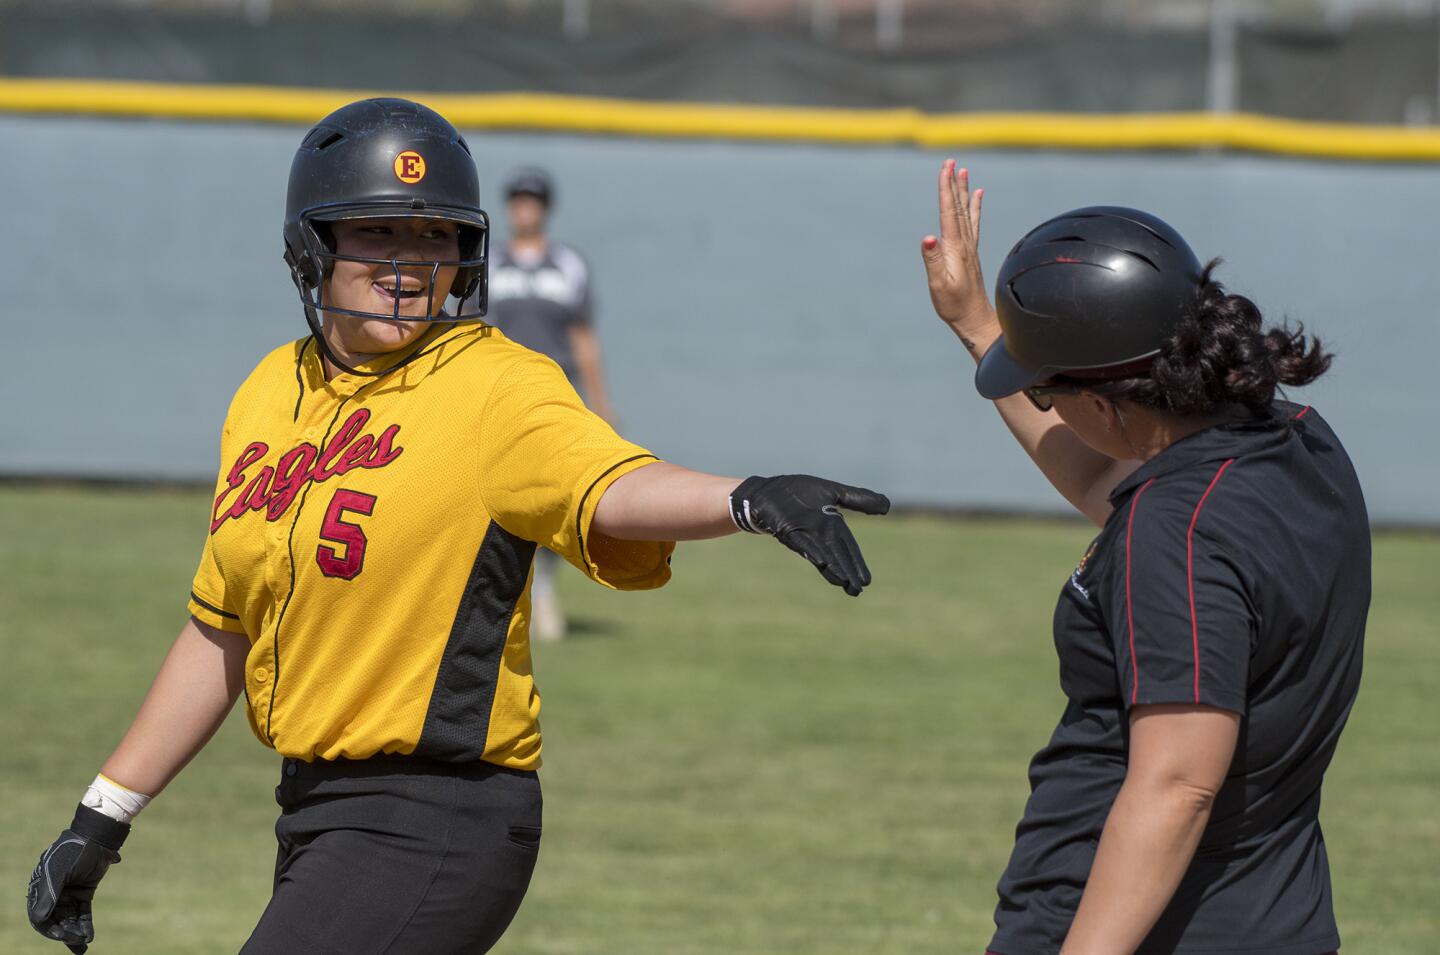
[(1222, 354)]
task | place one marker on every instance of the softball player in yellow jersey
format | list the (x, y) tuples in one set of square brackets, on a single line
[(383, 487)]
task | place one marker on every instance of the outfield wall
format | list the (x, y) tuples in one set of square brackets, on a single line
[(761, 305)]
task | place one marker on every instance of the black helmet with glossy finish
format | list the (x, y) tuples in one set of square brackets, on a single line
[(1094, 289)]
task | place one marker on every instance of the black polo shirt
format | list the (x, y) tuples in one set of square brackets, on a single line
[(1234, 572), (536, 301)]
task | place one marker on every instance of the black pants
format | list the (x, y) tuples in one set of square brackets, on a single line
[(395, 855)]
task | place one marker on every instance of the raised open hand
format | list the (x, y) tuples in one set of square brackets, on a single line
[(952, 260)]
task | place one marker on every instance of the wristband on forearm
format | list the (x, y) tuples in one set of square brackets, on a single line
[(111, 799), (740, 507), (98, 827)]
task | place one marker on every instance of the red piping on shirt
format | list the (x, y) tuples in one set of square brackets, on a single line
[(1190, 570), (1129, 611), (1301, 413)]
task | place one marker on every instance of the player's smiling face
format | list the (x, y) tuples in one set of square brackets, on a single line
[(375, 287)]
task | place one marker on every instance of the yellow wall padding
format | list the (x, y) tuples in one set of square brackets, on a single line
[(581, 114)]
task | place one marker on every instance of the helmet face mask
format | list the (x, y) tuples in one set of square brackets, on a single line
[(319, 256)]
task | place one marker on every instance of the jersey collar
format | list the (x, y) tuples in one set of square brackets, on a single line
[(345, 383), (1233, 440)]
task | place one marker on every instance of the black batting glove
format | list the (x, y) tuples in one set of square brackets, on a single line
[(64, 880), (803, 513)]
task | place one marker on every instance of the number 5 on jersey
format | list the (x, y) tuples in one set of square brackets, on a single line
[(348, 535)]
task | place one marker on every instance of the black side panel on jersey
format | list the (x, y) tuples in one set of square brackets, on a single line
[(459, 716)]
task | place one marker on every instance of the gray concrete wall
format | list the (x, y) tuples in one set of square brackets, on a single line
[(762, 307)]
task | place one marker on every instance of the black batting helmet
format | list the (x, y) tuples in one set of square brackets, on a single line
[(1096, 291), (383, 158)]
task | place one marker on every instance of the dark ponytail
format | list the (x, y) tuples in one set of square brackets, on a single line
[(1221, 356)]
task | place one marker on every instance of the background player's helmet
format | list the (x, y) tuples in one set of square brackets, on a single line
[(531, 181), (1092, 293), (383, 157)]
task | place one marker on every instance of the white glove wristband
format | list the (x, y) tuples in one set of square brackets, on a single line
[(740, 508), (114, 800)]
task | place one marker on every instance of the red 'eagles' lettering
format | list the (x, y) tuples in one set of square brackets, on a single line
[(274, 489)]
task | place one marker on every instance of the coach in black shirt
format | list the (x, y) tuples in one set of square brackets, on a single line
[(1210, 637)]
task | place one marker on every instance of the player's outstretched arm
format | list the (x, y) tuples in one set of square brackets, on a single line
[(196, 687), (666, 502), (1081, 474)]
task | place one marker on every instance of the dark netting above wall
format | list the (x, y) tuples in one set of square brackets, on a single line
[(1375, 70)]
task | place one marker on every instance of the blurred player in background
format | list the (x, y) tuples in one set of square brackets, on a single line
[(1210, 638), (365, 581), (540, 297)]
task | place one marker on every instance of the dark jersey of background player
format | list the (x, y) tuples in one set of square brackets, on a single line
[(1234, 572), (538, 298), (540, 293)]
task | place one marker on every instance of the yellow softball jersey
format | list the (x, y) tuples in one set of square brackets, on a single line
[(374, 536)]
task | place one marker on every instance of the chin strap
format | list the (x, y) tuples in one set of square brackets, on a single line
[(317, 332)]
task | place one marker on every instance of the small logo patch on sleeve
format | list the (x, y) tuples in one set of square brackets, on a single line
[(410, 167)]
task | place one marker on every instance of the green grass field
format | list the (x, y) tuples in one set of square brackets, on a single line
[(744, 762)]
